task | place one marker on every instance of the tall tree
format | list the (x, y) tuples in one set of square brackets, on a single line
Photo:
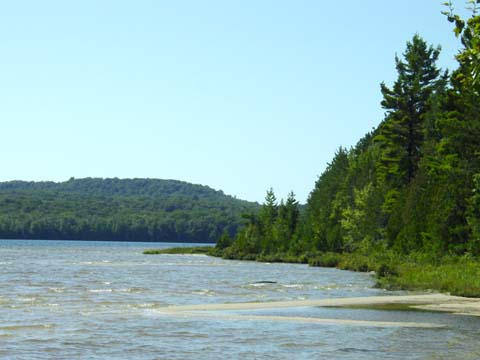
[(458, 161), (402, 132), (321, 229), (267, 217), (286, 223)]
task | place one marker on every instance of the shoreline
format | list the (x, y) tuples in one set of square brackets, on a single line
[(437, 302), (431, 302), (455, 275)]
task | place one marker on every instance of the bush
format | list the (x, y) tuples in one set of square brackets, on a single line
[(180, 250), (326, 260)]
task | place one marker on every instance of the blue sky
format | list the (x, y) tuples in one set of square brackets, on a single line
[(239, 95)]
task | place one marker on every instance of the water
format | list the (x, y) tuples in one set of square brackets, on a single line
[(103, 300)]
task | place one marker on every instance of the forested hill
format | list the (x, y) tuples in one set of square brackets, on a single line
[(118, 209)]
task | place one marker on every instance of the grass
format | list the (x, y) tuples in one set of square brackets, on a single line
[(460, 277), (180, 250)]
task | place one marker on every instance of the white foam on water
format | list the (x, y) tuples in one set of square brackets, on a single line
[(57, 289), (293, 286)]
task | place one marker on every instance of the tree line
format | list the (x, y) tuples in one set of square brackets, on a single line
[(118, 209), (410, 185)]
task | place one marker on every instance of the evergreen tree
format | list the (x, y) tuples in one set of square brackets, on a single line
[(224, 241), (402, 132), (322, 229), (458, 160), (410, 185), (292, 213), (286, 223), (281, 232), (267, 216)]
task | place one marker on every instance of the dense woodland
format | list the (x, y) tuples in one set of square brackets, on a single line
[(412, 185), (114, 209)]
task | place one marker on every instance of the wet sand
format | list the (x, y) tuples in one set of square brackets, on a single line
[(304, 319), (439, 302), (431, 302)]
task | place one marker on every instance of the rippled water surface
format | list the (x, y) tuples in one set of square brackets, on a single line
[(100, 300)]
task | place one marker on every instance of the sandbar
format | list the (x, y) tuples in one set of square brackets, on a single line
[(431, 302), (438, 302)]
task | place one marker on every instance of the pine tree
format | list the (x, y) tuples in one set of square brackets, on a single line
[(401, 134), (224, 241), (267, 217), (286, 223), (292, 213), (322, 229), (458, 161)]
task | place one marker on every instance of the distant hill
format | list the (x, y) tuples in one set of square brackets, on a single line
[(118, 209)]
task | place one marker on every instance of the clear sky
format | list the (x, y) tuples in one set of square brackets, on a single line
[(239, 95)]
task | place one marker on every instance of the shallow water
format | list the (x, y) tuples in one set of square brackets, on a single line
[(104, 300)]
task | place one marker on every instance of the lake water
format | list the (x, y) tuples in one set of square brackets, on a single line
[(104, 300)]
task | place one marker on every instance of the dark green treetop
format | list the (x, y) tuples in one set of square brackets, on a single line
[(401, 134)]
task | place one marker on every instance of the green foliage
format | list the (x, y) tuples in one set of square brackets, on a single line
[(328, 259), (322, 227), (468, 31), (285, 223), (473, 216), (224, 241), (267, 216), (269, 233), (401, 135), (458, 276), (180, 250), (356, 224), (406, 198), (114, 209)]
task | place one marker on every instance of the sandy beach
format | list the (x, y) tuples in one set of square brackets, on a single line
[(430, 302), (434, 302)]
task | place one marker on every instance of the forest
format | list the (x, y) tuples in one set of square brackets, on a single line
[(118, 209), (409, 188)]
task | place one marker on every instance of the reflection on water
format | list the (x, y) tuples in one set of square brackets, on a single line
[(96, 300)]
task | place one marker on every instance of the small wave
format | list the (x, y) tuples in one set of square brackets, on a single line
[(144, 305), (206, 292), (96, 263), (301, 345), (263, 283), (56, 289), (26, 327), (131, 290), (352, 350), (258, 285), (293, 286), (192, 263), (328, 287), (101, 290), (29, 299)]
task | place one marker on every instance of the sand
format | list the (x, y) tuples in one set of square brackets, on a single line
[(440, 301), (432, 302)]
